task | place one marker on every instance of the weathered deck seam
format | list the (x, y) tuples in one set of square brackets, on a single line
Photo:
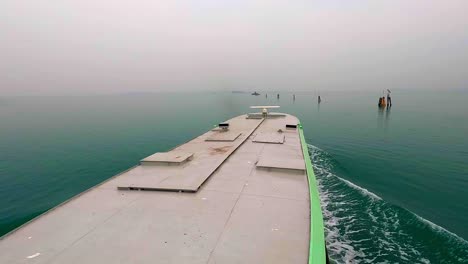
[(232, 209), (232, 152), (262, 195)]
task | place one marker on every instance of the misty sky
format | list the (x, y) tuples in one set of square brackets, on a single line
[(93, 47)]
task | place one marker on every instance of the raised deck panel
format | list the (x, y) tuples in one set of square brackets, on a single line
[(274, 138), (281, 163), (167, 158), (208, 151)]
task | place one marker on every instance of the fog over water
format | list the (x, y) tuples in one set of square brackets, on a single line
[(97, 47)]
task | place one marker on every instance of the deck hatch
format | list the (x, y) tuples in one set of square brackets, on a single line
[(273, 138), (287, 163), (167, 158)]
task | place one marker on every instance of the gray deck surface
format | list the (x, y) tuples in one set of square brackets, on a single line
[(208, 155), (221, 135), (241, 214)]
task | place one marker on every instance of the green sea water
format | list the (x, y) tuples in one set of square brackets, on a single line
[(393, 182)]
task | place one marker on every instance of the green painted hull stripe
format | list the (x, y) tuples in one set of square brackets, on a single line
[(317, 254)]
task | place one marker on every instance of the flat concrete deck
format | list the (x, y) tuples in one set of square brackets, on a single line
[(241, 214)]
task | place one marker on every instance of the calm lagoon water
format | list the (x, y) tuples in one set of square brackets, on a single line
[(393, 182)]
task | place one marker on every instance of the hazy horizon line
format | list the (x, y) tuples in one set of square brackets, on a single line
[(241, 91)]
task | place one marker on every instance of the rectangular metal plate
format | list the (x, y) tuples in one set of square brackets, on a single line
[(172, 157), (287, 163), (274, 138)]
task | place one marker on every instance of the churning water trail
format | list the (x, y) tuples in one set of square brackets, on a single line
[(361, 227)]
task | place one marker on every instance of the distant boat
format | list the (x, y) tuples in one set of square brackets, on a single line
[(255, 93)]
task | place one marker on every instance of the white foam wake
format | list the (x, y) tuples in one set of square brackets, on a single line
[(368, 229), (360, 189), (368, 193), (438, 228)]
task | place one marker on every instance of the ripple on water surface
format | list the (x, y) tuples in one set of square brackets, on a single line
[(361, 227)]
